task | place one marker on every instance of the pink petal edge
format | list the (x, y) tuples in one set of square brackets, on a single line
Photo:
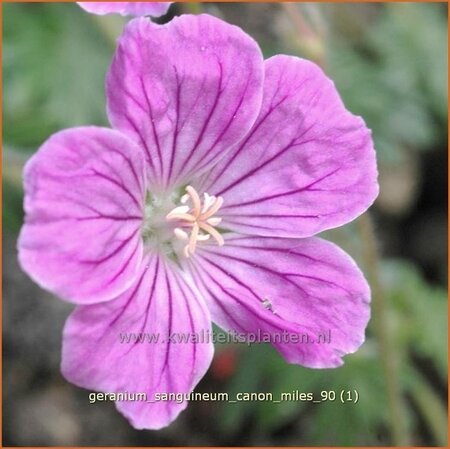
[(185, 91), (306, 166), (311, 285), (154, 9), (162, 303), (84, 196)]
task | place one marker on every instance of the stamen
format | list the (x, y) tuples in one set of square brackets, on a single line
[(181, 234), (219, 239), (203, 237), (197, 218), (187, 217), (186, 250), (193, 238), (195, 200), (215, 207), (214, 221), (180, 210), (209, 200)]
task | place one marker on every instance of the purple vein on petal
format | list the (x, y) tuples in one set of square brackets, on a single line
[(141, 137), (273, 249), (280, 195), (255, 226), (281, 216), (119, 185), (284, 275), (271, 322), (129, 95), (292, 144), (248, 137), (167, 349), (176, 131), (201, 280), (112, 253), (131, 296), (254, 265), (227, 126), (237, 281), (155, 134), (130, 166), (210, 115), (125, 265), (191, 321), (149, 303)]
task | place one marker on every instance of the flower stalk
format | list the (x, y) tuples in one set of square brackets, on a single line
[(383, 333)]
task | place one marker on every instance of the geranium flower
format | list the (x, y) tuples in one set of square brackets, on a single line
[(200, 205), (154, 9)]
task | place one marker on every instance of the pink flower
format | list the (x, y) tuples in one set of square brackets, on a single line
[(154, 9), (200, 205)]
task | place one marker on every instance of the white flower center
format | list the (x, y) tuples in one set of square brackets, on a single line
[(195, 221)]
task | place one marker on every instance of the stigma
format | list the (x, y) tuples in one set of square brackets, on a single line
[(195, 220)]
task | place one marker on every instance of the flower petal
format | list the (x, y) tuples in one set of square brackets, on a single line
[(278, 286), (186, 91), (109, 347), (154, 9), (84, 194), (306, 166)]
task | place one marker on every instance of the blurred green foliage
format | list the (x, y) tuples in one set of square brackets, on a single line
[(391, 68), (54, 68), (395, 76), (55, 58)]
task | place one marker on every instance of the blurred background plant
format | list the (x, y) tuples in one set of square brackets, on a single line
[(389, 61)]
